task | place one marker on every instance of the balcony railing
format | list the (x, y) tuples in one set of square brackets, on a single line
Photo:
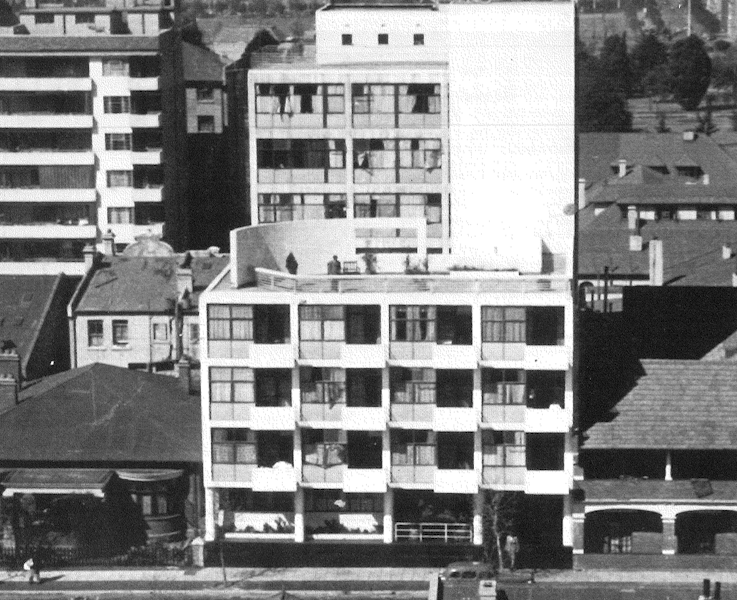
[(438, 283), (443, 533)]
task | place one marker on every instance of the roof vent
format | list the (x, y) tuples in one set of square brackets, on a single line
[(726, 251), (689, 136)]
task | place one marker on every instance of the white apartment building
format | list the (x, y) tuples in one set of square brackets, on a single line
[(430, 149), (80, 129)]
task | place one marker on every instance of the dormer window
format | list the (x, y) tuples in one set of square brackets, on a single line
[(663, 170), (383, 39), (347, 39), (692, 173)]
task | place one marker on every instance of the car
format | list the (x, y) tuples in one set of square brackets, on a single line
[(468, 581)]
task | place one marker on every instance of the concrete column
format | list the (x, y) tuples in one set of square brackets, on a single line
[(299, 515), (668, 466), (670, 541), (478, 519), (389, 516), (210, 514), (568, 520), (578, 532)]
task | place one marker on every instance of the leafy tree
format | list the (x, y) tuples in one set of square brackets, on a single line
[(615, 63), (500, 517), (7, 16), (658, 82), (647, 54), (724, 70), (662, 123), (654, 14), (690, 70), (599, 105), (708, 20)]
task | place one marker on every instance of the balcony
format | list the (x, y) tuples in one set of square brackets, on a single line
[(230, 411), (547, 357), (551, 419), (45, 84), (454, 419), (318, 474), (48, 231), (145, 120), (301, 175), (364, 418), (258, 525), (504, 478), (46, 121), (151, 194), (413, 476), (240, 473), (300, 121), (147, 157), (258, 355), (503, 414), (368, 356), (423, 351), (547, 482), (50, 156), (455, 481), (143, 84), (48, 195), (364, 481), (279, 418), (412, 413), (443, 533), (272, 479), (503, 352), (322, 413)]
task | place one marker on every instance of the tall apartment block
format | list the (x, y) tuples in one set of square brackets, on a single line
[(82, 120), (428, 149)]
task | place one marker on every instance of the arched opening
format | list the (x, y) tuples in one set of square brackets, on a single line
[(707, 532), (623, 532)]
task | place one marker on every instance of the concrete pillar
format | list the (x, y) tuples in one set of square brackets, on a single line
[(299, 515), (567, 520), (210, 514), (579, 520), (670, 541), (389, 516), (668, 466), (478, 519)]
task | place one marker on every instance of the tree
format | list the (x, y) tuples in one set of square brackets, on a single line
[(615, 64), (501, 513), (690, 70), (599, 105), (647, 54), (658, 82), (724, 71), (7, 16)]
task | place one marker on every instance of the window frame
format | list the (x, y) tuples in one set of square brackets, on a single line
[(116, 105), (346, 39), (238, 441), (115, 212), (409, 317), (238, 383), (114, 177), (115, 141), (383, 39), (503, 324), (115, 67), (418, 39), (230, 320), (98, 337), (121, 333)]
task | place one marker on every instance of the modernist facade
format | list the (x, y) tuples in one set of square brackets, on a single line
[(381, 400)]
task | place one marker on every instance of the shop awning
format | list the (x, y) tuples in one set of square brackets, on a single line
[(57, 481), (148, 475)]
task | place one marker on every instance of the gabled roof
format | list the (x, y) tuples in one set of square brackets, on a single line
[(79, 44), (675, 404), (102, 413), (692, 250), (144, 284), (201, 64), (25, 301)]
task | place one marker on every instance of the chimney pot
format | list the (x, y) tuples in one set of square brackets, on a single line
[(90, 254), (635, 243), (655, 248), (689, 136), (622, 164), (108, 243), (726, 251), (632, 218), (705, 179), (184, 370)]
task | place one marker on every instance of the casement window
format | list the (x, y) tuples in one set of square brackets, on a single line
[(545, 388), (120, 216), (363, 387), (152, 504), (338, 501), (120, 332), (412, 323), (383, 39), (503, 448), (323, 447), (322, 323), (299, 99), (413, 448), (503, 386), (322, 385), (160, 332), (119, 179), (226, 322), (419, 39), (545, 326), (373, 98), (454, 388), (503, 324), (118, 141), (231, 384), (545, 451), (454, 325), (234, 446), (95, 333), (419, 98), (300, 154), (346, 39), (115, 68), (412, 386), (117, 104), (274, 208), (403, 161)]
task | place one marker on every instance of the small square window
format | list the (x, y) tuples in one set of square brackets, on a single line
[(383, 39), (43, 19), (347, 39), (419, 39), (206, 124), (94, 333), (83, 18), (120, 333), (160, 332)]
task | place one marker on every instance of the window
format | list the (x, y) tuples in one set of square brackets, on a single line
[(274, 208), (383, 39), (119, 179), (419, 98), (117, 141), (272, 323), (194, 334), (419, 39), (545, 325), (455, 450), (94, 333), (373, 99), (401, 205), (120, 216), (230, 322), (347, 39), (273, 387), (322, 323), (691, 172), (322, 385), (206, 124), (503, 386), (363, 324), (120, 333), (323, 447), (205, 94), (117, 104), (454, 325), (545, 388), (233, 446), (247, 501), (82, 18), (412, 386), (115, 68), (301, 154), (503, 448), (412, 448), (43, 19), (231, 385), (412, 323), (502, 324), (160, 332)]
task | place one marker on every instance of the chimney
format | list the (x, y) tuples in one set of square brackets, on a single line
[(90, 254), (581, 194), (108, 243), (185, 283), (622, 164), (726, 251), (8, 392), (635, 243), (705, 179), (213, 250), (184, 371), (632, 220), (10, 363), (656, 261), (689, 136)]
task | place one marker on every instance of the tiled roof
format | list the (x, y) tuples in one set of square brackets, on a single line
[(24, 304), (675, 404), (125, 284), (102, 413), (633, 489), (201, 64), (82, 44), (692, 250)]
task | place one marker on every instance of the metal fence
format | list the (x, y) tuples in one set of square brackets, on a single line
[(153, 555), (443, 533)]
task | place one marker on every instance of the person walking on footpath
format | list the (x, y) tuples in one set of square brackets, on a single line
[(33, 566), (511, 546)]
